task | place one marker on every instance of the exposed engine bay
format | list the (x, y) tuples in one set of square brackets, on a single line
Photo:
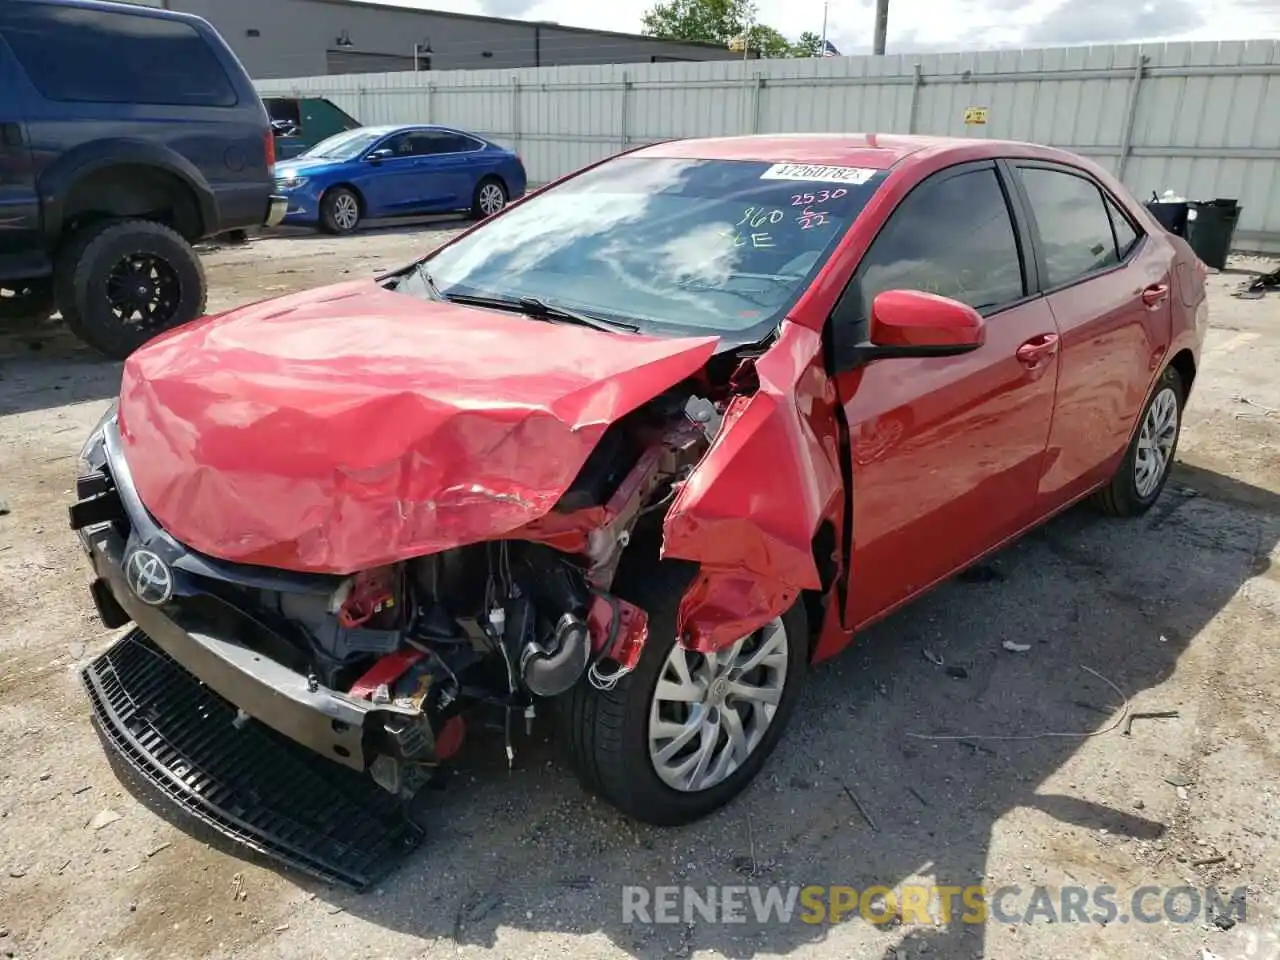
[(500, 624)]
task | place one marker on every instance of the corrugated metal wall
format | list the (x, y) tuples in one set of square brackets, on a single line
[(1199, 118)]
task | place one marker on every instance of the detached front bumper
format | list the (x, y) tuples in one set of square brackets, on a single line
[(176, 699), (178, 600)]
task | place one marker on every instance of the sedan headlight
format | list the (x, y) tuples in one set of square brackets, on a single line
[(291, 183)]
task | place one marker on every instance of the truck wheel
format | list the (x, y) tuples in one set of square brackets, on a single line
[(26, 300), (683, 734), (339, 211), (121, 282)]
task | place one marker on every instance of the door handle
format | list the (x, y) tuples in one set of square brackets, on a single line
[(1154, 295), (1038, 349)]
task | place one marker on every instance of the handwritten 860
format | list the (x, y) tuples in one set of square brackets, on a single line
[(759, 216)]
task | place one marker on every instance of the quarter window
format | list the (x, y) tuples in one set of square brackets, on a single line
[(952, 237), (1075, 228), (1126, 235)]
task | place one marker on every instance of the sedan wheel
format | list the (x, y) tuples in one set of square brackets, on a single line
[(1155, 442), (339, 211), (684, 733), (1142, 473), (710, 713), (490, 198)]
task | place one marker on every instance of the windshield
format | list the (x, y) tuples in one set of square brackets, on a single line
[(673, 246), (346, 145)]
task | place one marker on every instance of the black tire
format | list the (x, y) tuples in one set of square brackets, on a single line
[(605, 733), (340, 211), (26, 300), (1121, 497), (487, 191), (94, 266)]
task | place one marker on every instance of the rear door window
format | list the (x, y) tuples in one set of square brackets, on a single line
[(99, 56), (1076, 233), (1127, 235), (952, 236)]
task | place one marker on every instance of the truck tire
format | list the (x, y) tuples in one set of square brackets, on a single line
[(26, 300), (608, 735), (119, 283)]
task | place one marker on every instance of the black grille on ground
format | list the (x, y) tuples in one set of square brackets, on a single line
[(250, 784)]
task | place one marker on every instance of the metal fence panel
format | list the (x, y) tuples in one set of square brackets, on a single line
[(1199, 118)]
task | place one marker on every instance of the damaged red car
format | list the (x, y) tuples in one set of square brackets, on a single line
[(637, 451)]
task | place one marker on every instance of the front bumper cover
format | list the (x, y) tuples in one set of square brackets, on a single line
[(219, 643)]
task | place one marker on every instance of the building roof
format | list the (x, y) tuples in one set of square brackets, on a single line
[(481, 18)]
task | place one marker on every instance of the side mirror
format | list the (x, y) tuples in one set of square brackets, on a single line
[(910, 323), (377, 156)]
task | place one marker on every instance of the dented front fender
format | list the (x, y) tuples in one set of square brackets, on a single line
[(749, 512)]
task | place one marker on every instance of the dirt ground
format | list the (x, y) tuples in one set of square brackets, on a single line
[(1179, 610)]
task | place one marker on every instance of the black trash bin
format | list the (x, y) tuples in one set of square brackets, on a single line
[(1211, 225), (1172, 215)]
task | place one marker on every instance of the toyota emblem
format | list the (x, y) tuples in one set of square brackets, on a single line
[(149, 577)]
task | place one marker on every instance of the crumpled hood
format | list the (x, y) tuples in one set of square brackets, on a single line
[(347, 427)]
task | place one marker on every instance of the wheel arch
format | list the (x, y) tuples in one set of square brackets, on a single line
[(1185, 363), (121, 178)]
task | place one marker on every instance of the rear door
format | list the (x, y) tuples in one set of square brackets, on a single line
[(456, 164), (20, 249), (1109, 287), (946, 452)]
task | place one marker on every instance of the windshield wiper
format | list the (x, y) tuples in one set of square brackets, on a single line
[(533, 307)]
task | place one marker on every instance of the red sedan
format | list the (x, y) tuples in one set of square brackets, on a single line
[(640, 448)]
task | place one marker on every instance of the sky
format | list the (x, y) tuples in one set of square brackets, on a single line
[(925, 26)]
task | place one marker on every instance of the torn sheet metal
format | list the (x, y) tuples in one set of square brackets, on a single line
[(350, 427), (749, 511)]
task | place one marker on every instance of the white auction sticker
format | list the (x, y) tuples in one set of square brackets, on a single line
[(809, 171)]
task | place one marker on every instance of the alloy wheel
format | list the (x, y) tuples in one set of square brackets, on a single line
[(492, 199), (346, 211), (1155, 442), (709, 713), (143, 290)]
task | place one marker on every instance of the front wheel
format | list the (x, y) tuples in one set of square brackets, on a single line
[(1145, 468), (339, 211), (684, 733)]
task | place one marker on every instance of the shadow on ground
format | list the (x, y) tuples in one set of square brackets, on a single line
[(43, 365), (527, 849)]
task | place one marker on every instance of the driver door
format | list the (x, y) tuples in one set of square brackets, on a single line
[(947, 452)]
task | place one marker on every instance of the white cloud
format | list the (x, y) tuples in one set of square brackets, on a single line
[(917, 25)]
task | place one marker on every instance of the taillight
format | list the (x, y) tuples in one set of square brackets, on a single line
[(271, 149)]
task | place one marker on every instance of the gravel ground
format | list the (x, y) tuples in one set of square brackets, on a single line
[(1179, 610)]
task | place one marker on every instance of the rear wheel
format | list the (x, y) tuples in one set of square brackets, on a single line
[(684, 733), (1145, 468), (26, 300), (490, 197), (339, 211), (120, 283)]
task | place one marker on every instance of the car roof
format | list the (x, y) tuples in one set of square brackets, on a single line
[(876, 151), (382, 129)]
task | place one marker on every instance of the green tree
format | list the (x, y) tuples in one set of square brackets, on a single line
[(705, 21), (809, 45), (714, 21)]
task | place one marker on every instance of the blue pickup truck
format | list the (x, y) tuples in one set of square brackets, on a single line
[(127, 133)]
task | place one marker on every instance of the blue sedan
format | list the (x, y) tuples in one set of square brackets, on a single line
[(373, 172)]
